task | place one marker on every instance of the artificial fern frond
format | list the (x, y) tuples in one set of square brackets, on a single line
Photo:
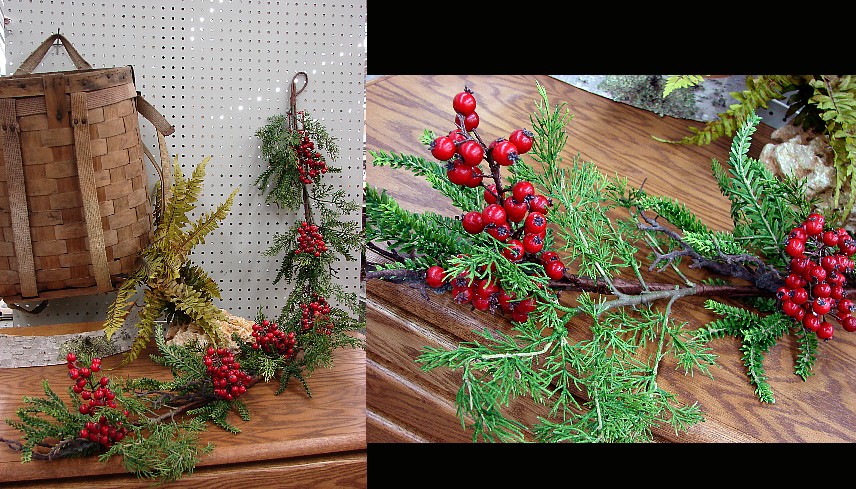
[(676, 82), (153, 306), (206, 224), (759, 91), (762, 216)]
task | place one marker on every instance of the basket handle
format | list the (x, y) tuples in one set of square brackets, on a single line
[(163, 128), (38, 55)]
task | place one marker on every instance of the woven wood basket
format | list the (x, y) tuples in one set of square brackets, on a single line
[(74, 199)]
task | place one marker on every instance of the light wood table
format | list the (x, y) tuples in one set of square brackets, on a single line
[(406, 404), (291, 440)]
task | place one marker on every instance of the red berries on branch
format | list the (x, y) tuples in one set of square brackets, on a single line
[(310, 240), (270, 339), (515, 216), (228, 378), (316, 314), (97, 395), (310, 162), (814, 290)]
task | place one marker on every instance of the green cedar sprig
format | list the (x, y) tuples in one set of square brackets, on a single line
[(631, 334)]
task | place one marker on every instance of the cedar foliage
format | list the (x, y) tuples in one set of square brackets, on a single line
[(630, 334), (315, 202), (173, 287)]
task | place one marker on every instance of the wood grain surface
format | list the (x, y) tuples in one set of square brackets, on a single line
[(406, 404), (293, 439)]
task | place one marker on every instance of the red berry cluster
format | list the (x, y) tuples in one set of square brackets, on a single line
[(316, 313), (310, 162), (271, 339), (482, 294), (103, 432), (229, 380), (516, 215), (310, 240), (814, 288), (98, 395), (90, 389), (519, 220)]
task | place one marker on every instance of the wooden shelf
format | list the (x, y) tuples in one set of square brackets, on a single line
[(291, 440)]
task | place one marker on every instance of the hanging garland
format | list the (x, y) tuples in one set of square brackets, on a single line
[(139, 418)]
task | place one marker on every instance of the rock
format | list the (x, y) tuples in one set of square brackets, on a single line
[(806, 154), (181, 335)]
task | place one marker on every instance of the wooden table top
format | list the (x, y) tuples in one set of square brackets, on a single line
[(292, 433), (406, 404)]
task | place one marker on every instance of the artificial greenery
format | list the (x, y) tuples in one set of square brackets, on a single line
[(825, 104), (174, 289), (608, 234), (286, 139)]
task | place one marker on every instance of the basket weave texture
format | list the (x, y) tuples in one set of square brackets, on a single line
[(74, 197)]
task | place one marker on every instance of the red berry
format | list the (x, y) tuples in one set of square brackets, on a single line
[(526, 305), (490, 194), (475, 178), (464, 102), (473, 222), (71, 357), (822, 289), (555, 269), (485, 288), (434, 276), (814, 224), (811, 322), (821, 306), (522, 139), (460, 174), (535, 223), (443, 148), (515, 210), (471, 121), (522, 190), (849, 324), (798, 233), (825, 331), (494, 214), (472, 152), (500, 233), (830, 238), (457, 136), (539, 203), (504, 152), (514, 251), (790, 308), (799, 296), (480, 303), (549, 256), (794, 281), (795, 248), (532, 243), (519, 316)]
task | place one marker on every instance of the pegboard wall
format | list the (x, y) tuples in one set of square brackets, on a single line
[(217, 70)]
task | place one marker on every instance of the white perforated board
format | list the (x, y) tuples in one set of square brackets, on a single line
[(217, 69)]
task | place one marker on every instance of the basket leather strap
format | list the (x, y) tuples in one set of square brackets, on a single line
[(14, 166), (86, 176), (36, 57)]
